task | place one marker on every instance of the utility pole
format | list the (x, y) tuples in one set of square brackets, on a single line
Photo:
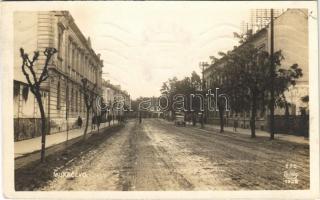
[(272, 76)]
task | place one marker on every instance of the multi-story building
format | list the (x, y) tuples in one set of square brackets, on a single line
[(117, 100), (74, 61), (291, 37)]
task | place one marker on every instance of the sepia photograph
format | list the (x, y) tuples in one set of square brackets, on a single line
[(170, 96)]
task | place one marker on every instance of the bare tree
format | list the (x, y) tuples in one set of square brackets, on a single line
[(88, 95), (34, 85)]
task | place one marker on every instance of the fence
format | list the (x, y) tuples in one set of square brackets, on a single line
[(293, 125)]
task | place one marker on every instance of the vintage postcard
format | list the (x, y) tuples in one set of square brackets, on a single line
[(159, 100)]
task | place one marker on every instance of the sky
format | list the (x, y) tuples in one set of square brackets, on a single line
[(143, 45)]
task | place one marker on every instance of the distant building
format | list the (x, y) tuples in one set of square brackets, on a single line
[(291, 37), (148, 107), (74, 61), (155, 107), (116, 100)]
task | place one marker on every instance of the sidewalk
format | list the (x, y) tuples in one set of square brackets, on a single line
[(285, 137), (28, 146), (259, 133)]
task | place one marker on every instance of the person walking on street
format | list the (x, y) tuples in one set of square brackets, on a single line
[(235, 124), (79, 122)]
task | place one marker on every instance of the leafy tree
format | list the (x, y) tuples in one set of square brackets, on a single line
[(225, 77), (195, 86), (249, 71), (187, 86), (217, 81), (34, 84), (168, 89), (284, 79)]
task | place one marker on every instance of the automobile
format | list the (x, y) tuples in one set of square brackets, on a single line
[(179, 120)]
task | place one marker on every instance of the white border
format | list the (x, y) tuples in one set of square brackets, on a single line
[(6, 61)]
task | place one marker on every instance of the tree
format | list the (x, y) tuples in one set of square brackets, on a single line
[(247, 69), (284, 78), (225, 77), (252, 67), (187, 86), (89, 96), (218, 81), (195, 85), (168, 89), (34, 84)]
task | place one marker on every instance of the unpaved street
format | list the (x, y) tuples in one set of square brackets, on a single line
[(156, 155)]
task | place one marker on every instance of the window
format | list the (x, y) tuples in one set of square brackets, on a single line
[(67, 98), (80, 107), (60, 39), (58, 96), (72, 57), (72, 99), (70, 52), (77, 101), (77, 60)]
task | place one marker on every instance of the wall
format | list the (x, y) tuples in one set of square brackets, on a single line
[(291, 37), (25, 36)]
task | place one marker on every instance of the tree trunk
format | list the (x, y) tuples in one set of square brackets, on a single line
[(87, 123), (221, 117), (221, 121), (43, 127), (253, 118)]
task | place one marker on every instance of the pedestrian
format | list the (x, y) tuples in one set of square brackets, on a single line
[(235, 124), (79, 122), (140, 118), (93, 122)]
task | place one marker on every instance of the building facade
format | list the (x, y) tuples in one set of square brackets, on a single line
[(74, 61), (117, 101), (291, 37)]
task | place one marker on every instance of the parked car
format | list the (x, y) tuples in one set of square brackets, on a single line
[(179, 120)]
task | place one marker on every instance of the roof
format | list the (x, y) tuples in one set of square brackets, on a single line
[(107, 84)]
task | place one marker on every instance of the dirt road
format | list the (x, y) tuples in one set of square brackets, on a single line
[(156, 155)]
